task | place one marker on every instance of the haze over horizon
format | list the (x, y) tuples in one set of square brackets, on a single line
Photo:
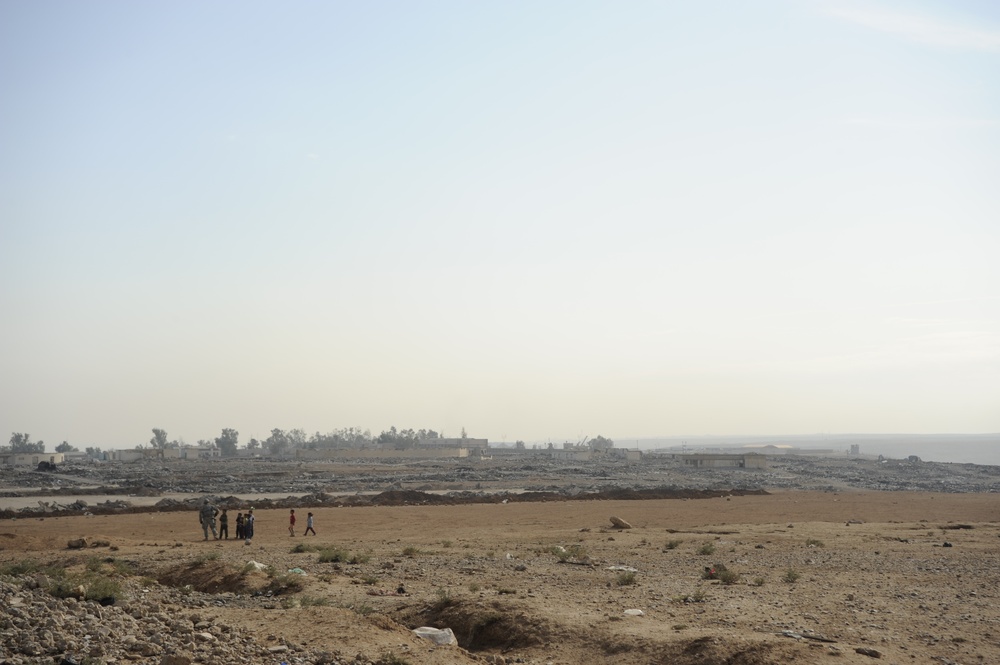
[(532, 221)]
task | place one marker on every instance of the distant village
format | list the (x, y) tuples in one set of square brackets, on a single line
[(405, 444)]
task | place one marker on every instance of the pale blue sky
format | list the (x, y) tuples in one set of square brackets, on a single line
[(533, 220)]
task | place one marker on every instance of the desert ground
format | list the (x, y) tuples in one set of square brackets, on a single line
[(807, 576)]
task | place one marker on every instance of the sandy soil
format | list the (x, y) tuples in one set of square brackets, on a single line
[(873, 573)]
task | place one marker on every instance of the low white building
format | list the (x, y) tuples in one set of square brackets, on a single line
[(30, 459)]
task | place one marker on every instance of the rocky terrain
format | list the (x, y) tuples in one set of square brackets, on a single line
[(808, 561), (465, 480)]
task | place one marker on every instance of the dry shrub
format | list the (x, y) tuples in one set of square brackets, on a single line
[(208, 576)]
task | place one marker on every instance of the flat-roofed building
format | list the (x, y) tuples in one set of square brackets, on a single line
[(30, 459), (748, 461)]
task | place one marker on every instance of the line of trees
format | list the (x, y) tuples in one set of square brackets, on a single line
[(284, 441), (22, 443), (279, 442)]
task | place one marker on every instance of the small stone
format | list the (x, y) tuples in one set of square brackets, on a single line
[(175, 659), (865, 651)]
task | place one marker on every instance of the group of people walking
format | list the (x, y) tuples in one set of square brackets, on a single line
[(291, 523), (244, 523)]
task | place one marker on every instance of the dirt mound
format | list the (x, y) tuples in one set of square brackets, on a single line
[(411, 498), (481, 626), (387, 498), (208, 576), (628, 494), (718, 651), (416, 497)]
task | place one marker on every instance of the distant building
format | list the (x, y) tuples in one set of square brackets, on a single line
[(748, 461), (468, 444), (571, 454), (179, 452), (30, 459), (199, 452), (135, 454)]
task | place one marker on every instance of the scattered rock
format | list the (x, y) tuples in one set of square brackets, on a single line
[(865, 651), (619, 523), (436, 635), (175, 659)]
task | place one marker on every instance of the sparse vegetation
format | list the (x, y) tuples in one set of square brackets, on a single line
[(707, 548), (285, 583), (443, 600), (391, 659), (313, 601), (86, 586), (729, 577), (122, 567), (357, 559), (812, 542), (758, 581), (364, 609), (445, 543), (333, 555), (791, 576), (713, 572), (24, 567), (564, 554), (625, 578), (410, 550), (473, 587), (672, 544), (206, 557)]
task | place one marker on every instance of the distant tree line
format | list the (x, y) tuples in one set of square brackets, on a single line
[(285, 441), (21, 443), (279, 442)]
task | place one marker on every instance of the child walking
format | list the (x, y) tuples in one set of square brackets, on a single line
[(291, 522), (248, 527), (309, 525)]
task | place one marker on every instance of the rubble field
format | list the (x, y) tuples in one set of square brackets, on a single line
[(812, 560)]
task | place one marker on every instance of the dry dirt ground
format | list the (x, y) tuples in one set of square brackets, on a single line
[(838, 577)]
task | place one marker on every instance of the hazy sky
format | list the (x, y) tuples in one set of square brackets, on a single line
[(533, 219)]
